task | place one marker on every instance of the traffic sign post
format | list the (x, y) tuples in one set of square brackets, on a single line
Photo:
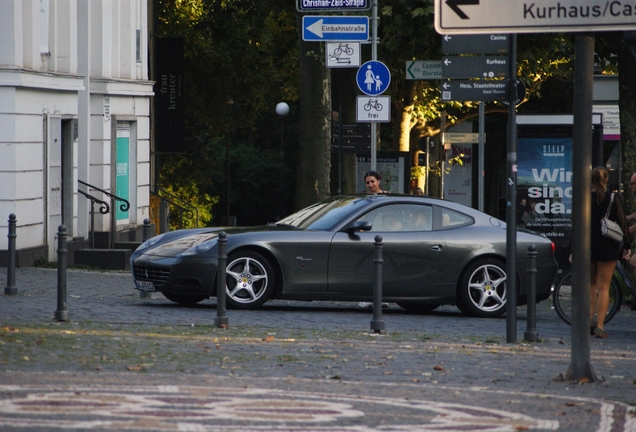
[(476, 44), (475, 67), (488, 16), (373, 78), (423, 69), (317, 28), (376, 109)]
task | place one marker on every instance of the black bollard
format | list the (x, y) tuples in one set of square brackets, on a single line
[(145, 233), (11, 289), (531, 334), (377, 323), (61, 314), (221, 319)]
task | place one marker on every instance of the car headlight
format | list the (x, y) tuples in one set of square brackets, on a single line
[(200, 248), (150, 242)]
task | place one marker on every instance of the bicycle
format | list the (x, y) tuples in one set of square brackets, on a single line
[(375, 104), (562, 294)]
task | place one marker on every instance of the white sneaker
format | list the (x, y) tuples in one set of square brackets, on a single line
[(368, 305)]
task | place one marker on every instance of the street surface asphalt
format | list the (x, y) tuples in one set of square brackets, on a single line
[(122, 362)]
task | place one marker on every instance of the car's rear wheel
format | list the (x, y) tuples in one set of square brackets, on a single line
[(482, 289), (418, 308), (184, 299), (249, 280)]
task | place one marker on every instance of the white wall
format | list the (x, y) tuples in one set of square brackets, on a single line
[(41, 53)]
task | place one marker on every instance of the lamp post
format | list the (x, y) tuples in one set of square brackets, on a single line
[(282, 109)]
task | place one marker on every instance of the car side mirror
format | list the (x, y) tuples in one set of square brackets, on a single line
[(358, 226)]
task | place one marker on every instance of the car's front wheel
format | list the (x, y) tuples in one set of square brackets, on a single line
[(482, 289), (249, 280)]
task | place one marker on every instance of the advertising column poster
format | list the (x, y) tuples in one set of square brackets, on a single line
[(544, 193)]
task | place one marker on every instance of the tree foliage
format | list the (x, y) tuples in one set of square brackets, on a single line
[(241, 59)]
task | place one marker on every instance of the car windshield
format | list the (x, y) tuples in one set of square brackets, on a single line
[(324, 215)]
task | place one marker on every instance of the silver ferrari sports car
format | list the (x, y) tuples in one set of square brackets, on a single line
[(435, 252)]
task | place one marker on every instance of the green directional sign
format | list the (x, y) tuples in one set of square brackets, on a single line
[(423, 69)]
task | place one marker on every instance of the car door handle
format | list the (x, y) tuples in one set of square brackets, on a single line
[(437, 248)]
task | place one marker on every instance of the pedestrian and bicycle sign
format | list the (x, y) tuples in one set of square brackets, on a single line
[(319, 28), (373, 109), (488, 16), (373, 78)]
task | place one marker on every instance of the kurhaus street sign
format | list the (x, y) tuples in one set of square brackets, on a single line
[(489, 16), (475, 67)]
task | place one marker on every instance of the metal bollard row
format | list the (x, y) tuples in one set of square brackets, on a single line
[(61, 313), (531, 333), (11, 289), (377, 323), (146, 234), (221, 319)]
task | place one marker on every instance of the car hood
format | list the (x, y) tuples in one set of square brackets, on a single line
[(180, 241)]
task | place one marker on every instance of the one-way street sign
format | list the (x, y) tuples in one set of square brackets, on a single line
[(319, 28), (465, 90), (475, 67), (506, 16)]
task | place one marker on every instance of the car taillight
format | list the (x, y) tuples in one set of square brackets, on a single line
[(553, 247)]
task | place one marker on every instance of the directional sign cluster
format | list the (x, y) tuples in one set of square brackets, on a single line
[(343, 35), (482, 75)]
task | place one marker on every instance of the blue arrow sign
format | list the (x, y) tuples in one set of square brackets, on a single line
[(335, 28), (373, 78)]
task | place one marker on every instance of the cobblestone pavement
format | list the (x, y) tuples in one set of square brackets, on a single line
[(123, 362)]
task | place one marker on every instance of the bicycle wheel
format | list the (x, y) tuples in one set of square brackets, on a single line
[(562, 298)]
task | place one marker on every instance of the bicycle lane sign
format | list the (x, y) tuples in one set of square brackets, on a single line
[(371, 109)]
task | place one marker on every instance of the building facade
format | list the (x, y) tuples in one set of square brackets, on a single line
[(74, 119)]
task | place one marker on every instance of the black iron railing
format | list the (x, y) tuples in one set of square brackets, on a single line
[(124, 206), (182, 207), (103, 209)]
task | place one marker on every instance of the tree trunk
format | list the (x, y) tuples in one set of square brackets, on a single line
[(405, 107), (314, 163)]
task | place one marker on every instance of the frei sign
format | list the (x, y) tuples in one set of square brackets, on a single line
[(488, 16)]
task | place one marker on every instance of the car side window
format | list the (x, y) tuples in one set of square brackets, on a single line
[(453, 219), (400, 217)]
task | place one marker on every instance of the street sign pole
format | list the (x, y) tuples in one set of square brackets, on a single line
[(511, 205), (374, 57), (482, 154), (580, 369)]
